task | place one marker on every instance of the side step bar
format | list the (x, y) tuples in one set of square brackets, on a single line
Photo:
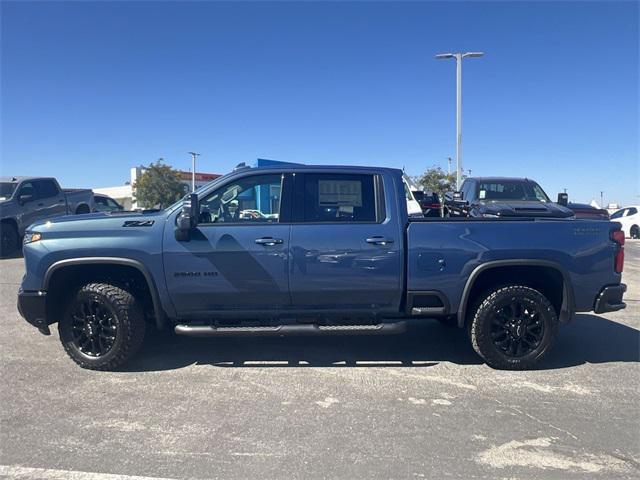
[(303, 329)]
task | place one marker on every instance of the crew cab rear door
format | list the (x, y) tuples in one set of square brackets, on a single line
[(346, 245), (51, 201), (237, 257)]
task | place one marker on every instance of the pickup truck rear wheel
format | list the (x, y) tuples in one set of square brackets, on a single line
[(103, 326), (82, 209), (513, 327)]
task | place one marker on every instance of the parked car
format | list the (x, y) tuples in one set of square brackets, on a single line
[(629, 218), (334, 252), (413, 206), (429, 203), (583, 210), (104, 203), (24, 200), (499, 197)]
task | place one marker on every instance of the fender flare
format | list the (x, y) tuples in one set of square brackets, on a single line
[(153, 290), (567, 309)]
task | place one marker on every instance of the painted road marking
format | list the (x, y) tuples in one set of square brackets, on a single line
[(28, 473)]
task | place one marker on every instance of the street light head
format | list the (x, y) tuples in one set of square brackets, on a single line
[(473, 54), (444, 55)]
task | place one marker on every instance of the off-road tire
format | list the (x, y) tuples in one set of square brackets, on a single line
[(128, 317), (485, 312), (9, 239)]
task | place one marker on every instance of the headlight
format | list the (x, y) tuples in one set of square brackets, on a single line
[(31, 237)]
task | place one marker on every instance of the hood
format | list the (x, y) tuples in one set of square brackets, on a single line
[(521, 209), (93, 221)]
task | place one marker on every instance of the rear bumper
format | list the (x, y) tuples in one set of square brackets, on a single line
[(610, 299), (33, 308)]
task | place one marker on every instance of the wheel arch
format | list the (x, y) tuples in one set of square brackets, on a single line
[(61, 265), (82, 206), (12, 221), (567, 303)]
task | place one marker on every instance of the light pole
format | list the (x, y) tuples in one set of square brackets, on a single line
[(193, 170), (459, 57), (449, 167), (601, 199)]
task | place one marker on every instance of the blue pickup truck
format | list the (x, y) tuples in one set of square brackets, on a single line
[(313, 250)]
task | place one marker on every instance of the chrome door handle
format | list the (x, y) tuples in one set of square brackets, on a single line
[(377, 240), (268, 241)]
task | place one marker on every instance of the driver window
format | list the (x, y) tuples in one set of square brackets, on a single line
[(27, 188), (249, 200)]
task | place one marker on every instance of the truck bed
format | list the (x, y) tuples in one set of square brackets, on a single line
[(443, 252)]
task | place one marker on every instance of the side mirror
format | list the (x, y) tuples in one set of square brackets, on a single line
[(188, 218), (457, 196), (25, 198), (563, 199)]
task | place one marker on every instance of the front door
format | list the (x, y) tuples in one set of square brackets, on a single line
[(237, 258), (29, 210), (345, 250)]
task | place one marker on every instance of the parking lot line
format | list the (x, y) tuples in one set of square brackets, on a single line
[(28, 473)]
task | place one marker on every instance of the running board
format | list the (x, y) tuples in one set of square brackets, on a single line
[(303, 329)]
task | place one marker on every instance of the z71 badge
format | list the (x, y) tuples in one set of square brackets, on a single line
[(138, 223)]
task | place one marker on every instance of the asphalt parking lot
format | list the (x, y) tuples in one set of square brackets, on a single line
[(417, 405)]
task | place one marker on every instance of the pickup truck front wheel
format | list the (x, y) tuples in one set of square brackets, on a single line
[(513, 327), (9, 239), (103, 326)]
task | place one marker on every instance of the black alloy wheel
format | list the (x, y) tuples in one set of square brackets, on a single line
[(94, 327), (516, 328)]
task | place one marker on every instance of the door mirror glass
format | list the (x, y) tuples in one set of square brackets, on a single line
[(457, 196), (188, 218), (25, 198), (563, 199)]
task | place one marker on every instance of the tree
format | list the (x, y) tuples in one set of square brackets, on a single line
[(436, 180), (158, 186)]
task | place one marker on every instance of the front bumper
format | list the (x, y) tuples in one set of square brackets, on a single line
[(33, 308), (610, 299)]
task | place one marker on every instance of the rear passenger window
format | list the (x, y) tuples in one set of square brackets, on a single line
[(339, 198)]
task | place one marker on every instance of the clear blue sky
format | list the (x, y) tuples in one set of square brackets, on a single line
[(91, 89)]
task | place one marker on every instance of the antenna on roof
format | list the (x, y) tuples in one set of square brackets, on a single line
[(241, 166)]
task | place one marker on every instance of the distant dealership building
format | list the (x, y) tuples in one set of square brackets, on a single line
[(123, 194)]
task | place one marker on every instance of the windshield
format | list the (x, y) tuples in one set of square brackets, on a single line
[(511, 190), (198, 191), (7, 189), (618, 214)]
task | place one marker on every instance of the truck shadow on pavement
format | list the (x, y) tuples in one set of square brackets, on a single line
[(588, 339)]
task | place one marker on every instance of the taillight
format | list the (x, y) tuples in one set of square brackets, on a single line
[(618, 237)]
